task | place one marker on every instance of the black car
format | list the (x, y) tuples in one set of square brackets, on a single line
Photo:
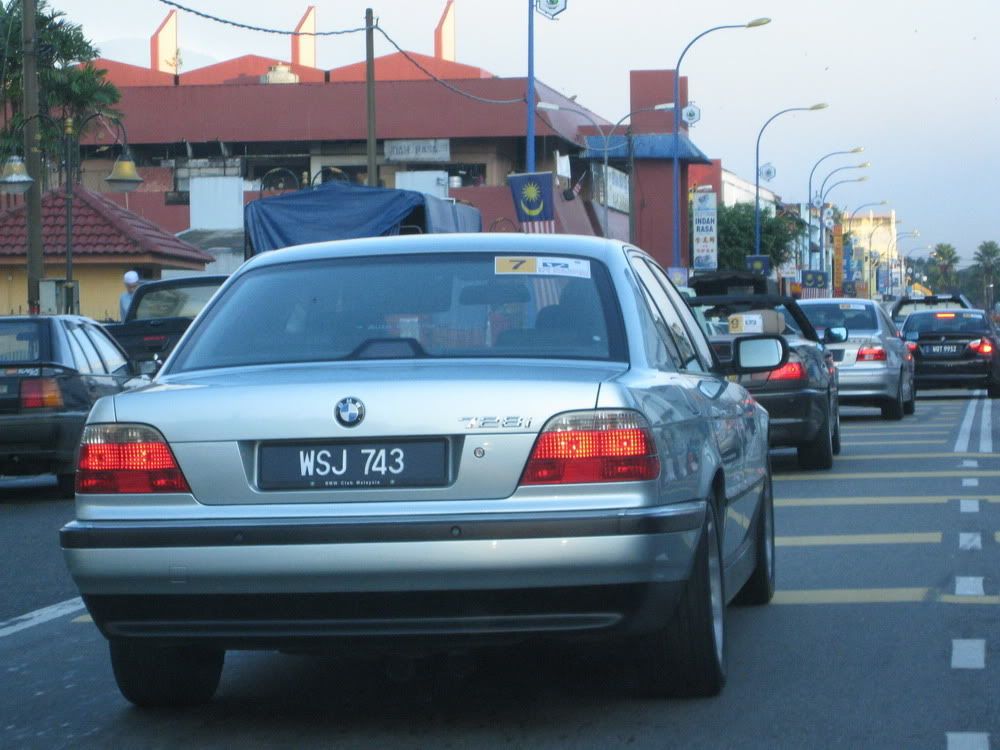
[(801, 396), (903, 306), (954, 349), (160, 313), (52, 370)]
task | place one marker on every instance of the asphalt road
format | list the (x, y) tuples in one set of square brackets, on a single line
[(883, 634)]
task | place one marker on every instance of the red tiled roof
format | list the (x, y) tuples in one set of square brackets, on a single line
[(336, 111), (100, 228), (246, 70), (396, 67)]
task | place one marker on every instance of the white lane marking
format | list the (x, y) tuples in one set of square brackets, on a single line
[(970, 463), (39, 616), (970, 541), (965, 431), (968, 506), (986, 428), (968, 653), (968, 740), (970, 482), (969, 586)]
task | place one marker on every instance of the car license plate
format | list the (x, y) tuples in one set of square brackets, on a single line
[(417, 463), (941, 349)]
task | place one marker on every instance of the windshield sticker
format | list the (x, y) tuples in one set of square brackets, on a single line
[(532, 264), (853, 306)]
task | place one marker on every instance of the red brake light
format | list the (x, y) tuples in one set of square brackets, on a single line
[(40, 393), (127, 459), (912, 346), (788, 371), (944, 315), (597, 446), (983, 347), (871, 354)]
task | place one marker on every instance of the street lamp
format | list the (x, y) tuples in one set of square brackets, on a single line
[(822, 227), (756, 168), (606, 137), (809, 195), (850, 221), (755, 23), (123, 178)]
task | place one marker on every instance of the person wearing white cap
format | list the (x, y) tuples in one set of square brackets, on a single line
[(131, 280)]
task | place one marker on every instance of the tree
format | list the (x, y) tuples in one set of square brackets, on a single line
[(944, 259), (736, 236), (987, 268), (70, 85)]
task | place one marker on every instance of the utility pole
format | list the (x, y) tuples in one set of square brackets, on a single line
[(32, 154), (370, 93)]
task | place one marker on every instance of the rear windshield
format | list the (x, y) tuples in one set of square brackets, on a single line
[(946, 322), (21, 341), (855, 316), (409, 307), (911, 307), (174, 302)]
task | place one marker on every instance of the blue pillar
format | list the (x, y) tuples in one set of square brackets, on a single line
[(530, 129)]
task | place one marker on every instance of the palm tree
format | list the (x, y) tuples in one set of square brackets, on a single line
[(987, 265), (945, 257)]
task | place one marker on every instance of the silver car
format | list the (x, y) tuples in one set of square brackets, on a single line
[(436, 440), (876, 367)]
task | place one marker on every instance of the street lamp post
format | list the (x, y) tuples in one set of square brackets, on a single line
[(822, 226), (606, 138), (123, 178), (755, 23), (756, 168), (809, 196)]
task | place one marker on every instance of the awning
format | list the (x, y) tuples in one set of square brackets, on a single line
[(646, 146)]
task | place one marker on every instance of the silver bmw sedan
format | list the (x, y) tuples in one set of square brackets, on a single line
[(437, 440)]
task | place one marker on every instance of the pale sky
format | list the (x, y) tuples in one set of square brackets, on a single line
[(913, 81)]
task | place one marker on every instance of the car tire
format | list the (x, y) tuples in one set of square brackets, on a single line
[(67, 484), (910, 407), (818, 452), (893, 410), (687, 657), (151, 675), (759, 588), (836, 433)]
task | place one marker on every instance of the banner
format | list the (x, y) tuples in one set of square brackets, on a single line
[(532, 193), (838, 261), (814, 279), (705, 253)]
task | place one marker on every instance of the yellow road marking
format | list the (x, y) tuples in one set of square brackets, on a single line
[(875, 596), (886, 475), (850, 596), (896, 442), (894, 433), (837, 539), (813, 502), (947, 454), (83, 618)]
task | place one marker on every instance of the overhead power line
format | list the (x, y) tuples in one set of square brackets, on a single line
[(262, 29)]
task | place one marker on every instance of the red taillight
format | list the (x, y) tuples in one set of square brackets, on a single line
[(40, 393), (944, 315), (598, 446), (127, 459), (871, 354), (912, 346), (789, 371), (983, 347)]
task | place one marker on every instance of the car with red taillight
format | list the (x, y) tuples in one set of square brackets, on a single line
[(427, 443), (955, 349), (875, 365), (52, 370), (801, 396)]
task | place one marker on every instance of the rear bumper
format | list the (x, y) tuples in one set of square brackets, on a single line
[(795, 417), (961, 373), (867, 384), (281, 584), (39, 443)]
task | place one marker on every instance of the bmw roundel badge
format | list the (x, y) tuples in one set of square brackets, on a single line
[(350, 411)]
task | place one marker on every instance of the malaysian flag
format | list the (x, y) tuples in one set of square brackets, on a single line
[(534, 201)]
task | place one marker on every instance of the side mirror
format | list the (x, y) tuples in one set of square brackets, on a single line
[(150, 367), (835, 335), (758, 354)]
